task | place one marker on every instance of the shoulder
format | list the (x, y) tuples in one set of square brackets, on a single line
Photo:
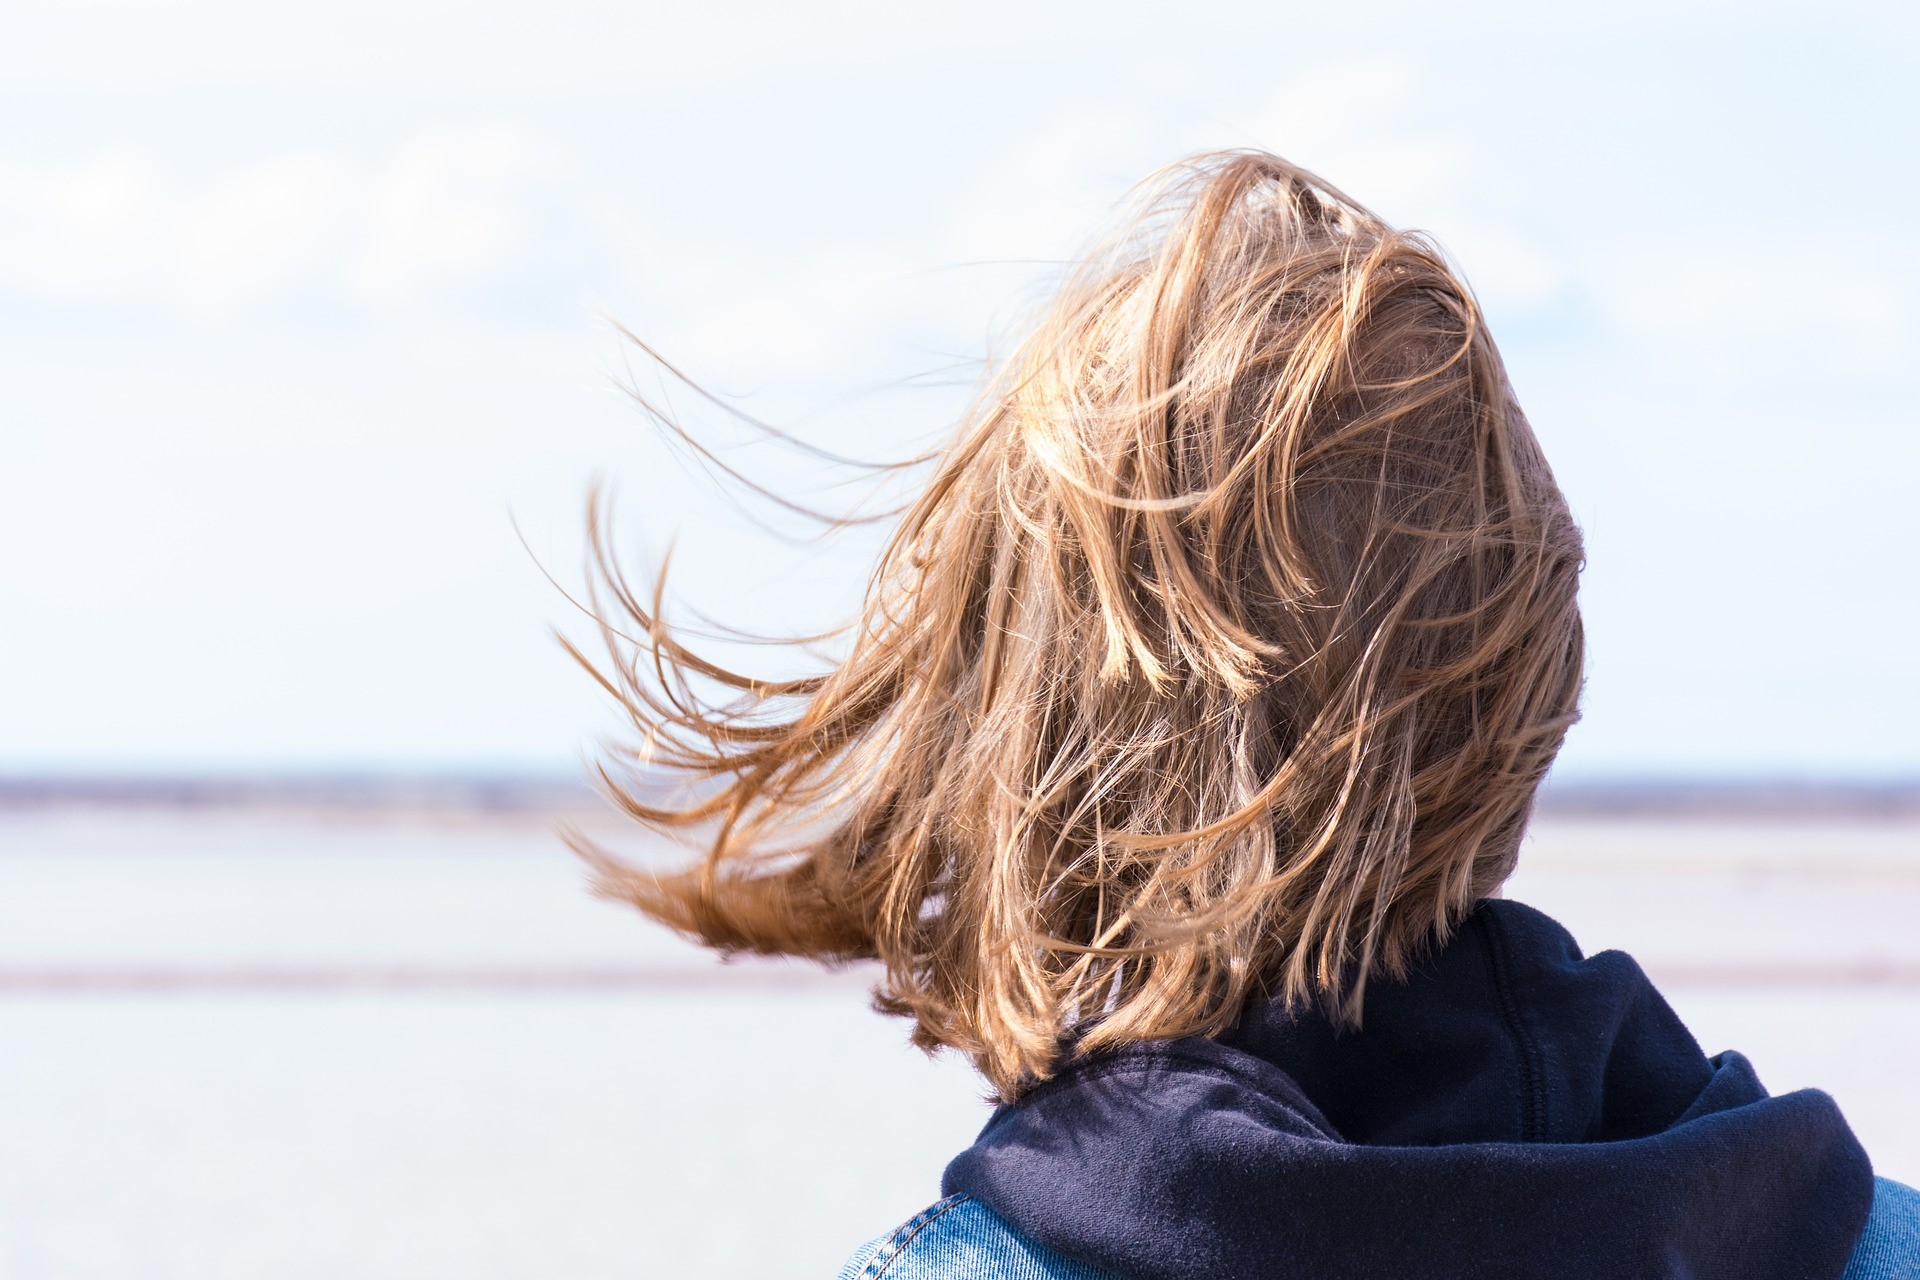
[(1889, 1248), (959, 1238), (1517, 926)]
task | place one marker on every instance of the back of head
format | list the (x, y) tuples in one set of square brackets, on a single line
[(1222, 655)]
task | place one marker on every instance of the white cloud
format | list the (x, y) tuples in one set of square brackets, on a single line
[(254, 234), (830, 310), (451, 206), (84, 233), (447, 209), (844, 308)]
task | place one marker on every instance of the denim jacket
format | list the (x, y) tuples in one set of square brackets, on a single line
[(959, 1238)]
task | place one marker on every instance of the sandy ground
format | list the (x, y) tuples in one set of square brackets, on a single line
[(248, 1046)]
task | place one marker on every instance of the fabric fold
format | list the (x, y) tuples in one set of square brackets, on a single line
[(1512, 1110)]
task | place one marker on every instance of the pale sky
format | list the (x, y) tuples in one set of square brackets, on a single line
[(296, 307)]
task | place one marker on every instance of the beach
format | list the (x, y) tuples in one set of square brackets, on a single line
[(310, 1042)]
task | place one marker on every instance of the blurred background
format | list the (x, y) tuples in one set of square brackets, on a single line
[(307, 361)]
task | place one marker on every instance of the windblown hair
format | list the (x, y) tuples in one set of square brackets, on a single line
[(1221, 656)]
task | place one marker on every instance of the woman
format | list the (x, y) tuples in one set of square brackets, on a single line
[(1184, 742)]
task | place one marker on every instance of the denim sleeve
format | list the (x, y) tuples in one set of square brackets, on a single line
[(1889, 1248), (959, 1238)]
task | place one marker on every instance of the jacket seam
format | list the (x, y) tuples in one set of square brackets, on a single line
[(903, 1235), (1533, 1119)]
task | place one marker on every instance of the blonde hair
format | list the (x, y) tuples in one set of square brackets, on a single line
[(1222, 655)]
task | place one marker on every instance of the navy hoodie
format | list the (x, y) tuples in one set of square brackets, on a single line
[(1511, 1110)]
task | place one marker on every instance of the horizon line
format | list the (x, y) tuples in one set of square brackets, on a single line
[(509, 791)]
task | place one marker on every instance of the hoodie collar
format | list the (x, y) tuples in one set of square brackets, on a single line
[(1512, 1109)]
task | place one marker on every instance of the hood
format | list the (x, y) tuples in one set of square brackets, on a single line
[(1512, 1109)]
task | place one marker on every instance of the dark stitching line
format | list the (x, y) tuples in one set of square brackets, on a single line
[(904, 1234), (1533, 1108)]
